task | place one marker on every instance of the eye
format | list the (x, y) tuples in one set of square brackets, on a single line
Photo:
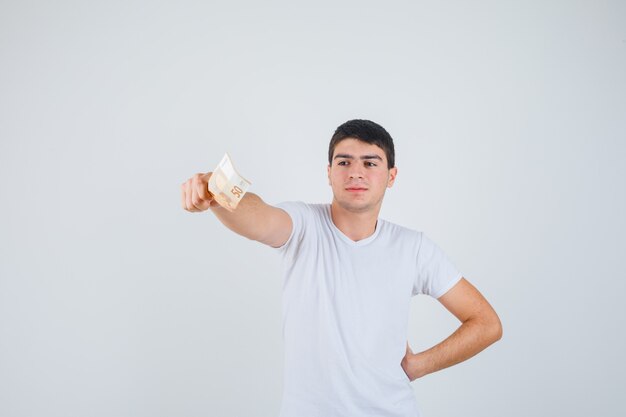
[(371, 164), (342, 162)]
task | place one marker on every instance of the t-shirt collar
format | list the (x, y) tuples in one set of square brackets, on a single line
[(346, 238)]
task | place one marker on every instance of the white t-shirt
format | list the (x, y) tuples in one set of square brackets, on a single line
[(345, 307)]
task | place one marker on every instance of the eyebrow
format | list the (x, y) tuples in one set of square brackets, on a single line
[(364, 157)]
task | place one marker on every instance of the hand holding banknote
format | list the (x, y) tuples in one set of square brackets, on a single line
[(224, 186), (196, 195)]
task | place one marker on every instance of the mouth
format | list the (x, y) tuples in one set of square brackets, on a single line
[(356, 189)]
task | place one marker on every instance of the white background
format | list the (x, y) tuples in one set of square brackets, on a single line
[(509, 120)]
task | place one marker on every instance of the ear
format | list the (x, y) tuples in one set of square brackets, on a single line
[(328, 174), (392, 176)]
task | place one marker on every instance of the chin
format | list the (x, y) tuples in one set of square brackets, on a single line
[(355, 206)]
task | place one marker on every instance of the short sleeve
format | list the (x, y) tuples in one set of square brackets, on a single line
[(298, 211), (436, 273)]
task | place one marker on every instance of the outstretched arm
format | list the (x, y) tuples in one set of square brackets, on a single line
[(480, 328), (253, 218)]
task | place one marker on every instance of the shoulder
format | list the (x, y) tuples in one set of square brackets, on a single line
[(297, 205), (399, 231), (294, 205), (301, 211), (400, 238), (304, 220)]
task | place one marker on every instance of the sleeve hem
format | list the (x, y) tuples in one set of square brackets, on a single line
[(293, 228), (448, 287)]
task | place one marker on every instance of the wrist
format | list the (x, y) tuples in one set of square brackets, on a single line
[(420, 365)]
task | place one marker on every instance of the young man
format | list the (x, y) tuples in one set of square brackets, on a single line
[(348, 280)]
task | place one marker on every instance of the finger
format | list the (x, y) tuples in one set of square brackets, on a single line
[(207, 176), (194, 197), (211, 197), (199, 191), (189, 196), (201, 202), (203, 191), (182, 196), (199, 188)]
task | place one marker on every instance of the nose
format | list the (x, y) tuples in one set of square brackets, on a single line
[(356, 172)]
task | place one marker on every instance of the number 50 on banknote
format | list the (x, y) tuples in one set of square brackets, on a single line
[(226, 185)]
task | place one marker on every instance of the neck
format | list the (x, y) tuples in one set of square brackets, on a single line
[(356, 225)]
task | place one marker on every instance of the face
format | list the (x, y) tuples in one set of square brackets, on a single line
[(359, 176)]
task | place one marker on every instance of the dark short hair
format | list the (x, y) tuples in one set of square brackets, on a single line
[(365, 131)]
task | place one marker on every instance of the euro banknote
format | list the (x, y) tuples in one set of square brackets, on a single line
[(227, 185)]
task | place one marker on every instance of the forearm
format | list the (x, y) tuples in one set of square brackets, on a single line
[(469, 339), (247, 219)]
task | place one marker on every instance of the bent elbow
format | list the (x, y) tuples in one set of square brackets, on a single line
[(496, 329)]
